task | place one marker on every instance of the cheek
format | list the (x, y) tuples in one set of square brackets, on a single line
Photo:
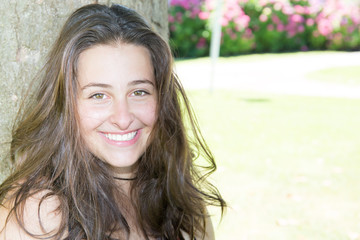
[(151, 114), (145, 112), (90, 118)]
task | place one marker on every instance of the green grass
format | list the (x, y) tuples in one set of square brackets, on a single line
[(288, 166), (348, 75)]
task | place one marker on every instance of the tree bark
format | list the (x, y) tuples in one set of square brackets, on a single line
[(27, 30)]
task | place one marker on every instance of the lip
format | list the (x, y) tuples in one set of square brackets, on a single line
[(121, 143)]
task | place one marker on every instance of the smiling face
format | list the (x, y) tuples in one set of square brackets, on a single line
[(117, 102)]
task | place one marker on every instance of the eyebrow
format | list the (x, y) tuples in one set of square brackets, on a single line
[(142, 81), (104, 85), (100, 85)]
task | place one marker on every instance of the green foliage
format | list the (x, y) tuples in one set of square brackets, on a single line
[(189, 36), (234, 42)]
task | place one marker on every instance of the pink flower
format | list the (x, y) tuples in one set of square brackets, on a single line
[(248, 33), (243, 21), (351, 29), (325, 27), (224, 22), (307, 10), (201, 43), (355, 19), (280, 27), (275, 19), (178, 16), (320, 16), (297, 18), (204, 15), (310, 22), (171, 19), (175, 2), (194, 13), (299, 9), (246, 18), (291, 33), (301, 28), (263, 18), (287, 10), (291, 26), (229, 14), (185, 4)]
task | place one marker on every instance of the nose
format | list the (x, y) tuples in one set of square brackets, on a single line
[(122, 115)]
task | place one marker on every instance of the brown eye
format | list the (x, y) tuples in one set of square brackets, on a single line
[(139, 93), (98, 96)]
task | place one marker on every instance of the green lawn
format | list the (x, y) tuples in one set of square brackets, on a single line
[(287, 165), (349, 75)]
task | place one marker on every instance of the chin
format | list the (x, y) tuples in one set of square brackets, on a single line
[(123, 164)]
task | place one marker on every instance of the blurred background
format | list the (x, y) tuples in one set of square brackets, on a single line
[(280, 109)]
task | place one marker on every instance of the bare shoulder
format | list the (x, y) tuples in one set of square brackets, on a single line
[(40, 217)]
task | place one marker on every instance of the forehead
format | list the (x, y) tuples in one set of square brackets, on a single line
[(115, 62)]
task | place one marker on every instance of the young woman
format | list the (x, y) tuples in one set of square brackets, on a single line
[(102, 151)]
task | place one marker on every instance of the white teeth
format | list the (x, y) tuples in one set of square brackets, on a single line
[(119, 137)]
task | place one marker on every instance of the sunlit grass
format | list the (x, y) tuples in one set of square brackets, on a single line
[(288, 166), (349, 75)]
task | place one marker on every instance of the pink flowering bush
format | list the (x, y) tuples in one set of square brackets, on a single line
[(189, 34), (279, 26), (189, 23), (337, 27), (264, 26), (237, 37)]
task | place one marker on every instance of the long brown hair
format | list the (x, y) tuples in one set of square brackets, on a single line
[(170, 193)]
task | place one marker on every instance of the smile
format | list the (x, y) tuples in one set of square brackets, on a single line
[(121, 137)]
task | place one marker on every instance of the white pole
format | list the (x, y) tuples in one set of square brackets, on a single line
[(215, 42)]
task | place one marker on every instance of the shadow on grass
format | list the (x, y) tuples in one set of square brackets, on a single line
[(255, 100)]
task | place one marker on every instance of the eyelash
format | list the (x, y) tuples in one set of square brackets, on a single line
[(142, 93), (95, 96), (137, 93)]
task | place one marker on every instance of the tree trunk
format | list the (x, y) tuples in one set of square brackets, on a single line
[(27, 30)]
